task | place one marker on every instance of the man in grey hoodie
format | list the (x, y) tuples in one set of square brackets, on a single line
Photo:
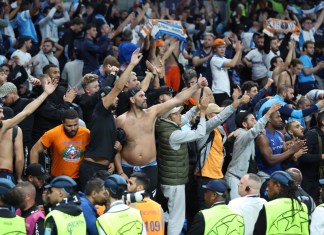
[(244, 148)]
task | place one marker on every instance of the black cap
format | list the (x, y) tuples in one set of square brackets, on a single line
[(104, 91), (36, 169), (133, 91)]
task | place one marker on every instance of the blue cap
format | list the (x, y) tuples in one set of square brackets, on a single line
[(321, 181), (282, 177), (217, 186), (5, 185), (116, 185), (61, 182)]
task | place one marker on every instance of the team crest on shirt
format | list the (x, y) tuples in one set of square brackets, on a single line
[(72, 153)]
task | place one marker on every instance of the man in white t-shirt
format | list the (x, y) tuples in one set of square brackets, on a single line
[(24, 44), (219, 66), (307, 32), (254, 60), (249, 204)]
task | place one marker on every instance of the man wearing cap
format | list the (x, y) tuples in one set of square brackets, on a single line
[(284, 214), (67, 144), (210, 147), (6, 135), (36, 175), (34, 217), (120, 218), (100, 152), (17, 104), (66, 215), (173, 157), (219, 66), (9, 222), (160, 95), (317, 223), (219, 218), (244, 148)]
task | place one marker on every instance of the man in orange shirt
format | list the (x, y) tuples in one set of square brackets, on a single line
[(151, 211), (67, 143)]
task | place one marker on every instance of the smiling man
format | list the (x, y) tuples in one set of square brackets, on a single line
[(67, 143)]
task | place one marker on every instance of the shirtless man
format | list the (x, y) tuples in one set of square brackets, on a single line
[(172, 70), (139, 152), (6, 145), (191, 79), (289, 76)]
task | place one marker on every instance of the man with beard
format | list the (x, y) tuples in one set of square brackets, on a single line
[(100, 151), (45, 57), (284, 94), (94, 194), (67, 143), (254, 60), (202, 56), (270, 146), (311, 161), (139, 152)]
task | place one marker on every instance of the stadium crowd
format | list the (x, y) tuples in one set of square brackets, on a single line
[(171, 117)]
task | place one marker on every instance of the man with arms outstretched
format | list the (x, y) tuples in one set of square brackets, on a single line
[(6, 128), (139, 152)]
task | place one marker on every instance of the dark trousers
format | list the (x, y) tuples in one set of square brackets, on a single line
[(87, 170), (304, 88), (219, 98)]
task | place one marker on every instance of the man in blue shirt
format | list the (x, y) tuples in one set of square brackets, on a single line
[(286, 92), (94, 194), (91, 50), (306, 79)]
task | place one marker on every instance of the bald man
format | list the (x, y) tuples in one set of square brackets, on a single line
[(250, 203), (34, 218), (300, 193)]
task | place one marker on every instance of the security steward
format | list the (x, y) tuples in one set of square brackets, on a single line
[(285, 214), (151, 211), (66, 216), (9, 222), (219, 218), (120, 218)]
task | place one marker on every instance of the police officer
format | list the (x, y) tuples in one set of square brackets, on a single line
[(9, 222), (219, 218), (120, 218), (66, 216), (285, 214)]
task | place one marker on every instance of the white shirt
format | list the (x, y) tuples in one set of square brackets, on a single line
[(24, 58), (317, 224), (221, 82), (249, 207), (259, 69)]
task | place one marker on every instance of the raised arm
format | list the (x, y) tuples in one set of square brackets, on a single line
[(35, 8), (29, 109), (120, 83), (184, 95), (239, 46), (319, 21)]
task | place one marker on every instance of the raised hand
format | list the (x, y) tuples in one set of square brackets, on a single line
[(202, 81), (136, 57), (50, 86), (70, 95), (203, 104), (274, 107)]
